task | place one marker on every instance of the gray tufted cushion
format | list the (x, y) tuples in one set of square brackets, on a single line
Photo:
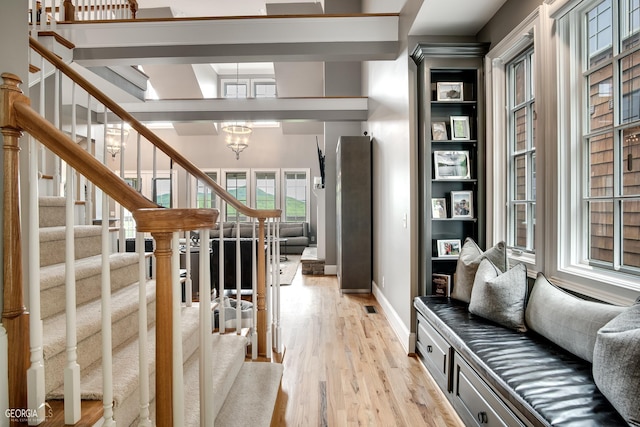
[(616, 363), (500, 297), (567, 320), (468, 262)]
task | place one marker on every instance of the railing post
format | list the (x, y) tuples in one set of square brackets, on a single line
[(69, 11), (164, 330), (262, 290), (133, 7), (14, 315)]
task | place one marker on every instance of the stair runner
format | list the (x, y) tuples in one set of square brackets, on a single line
[(245, 392)]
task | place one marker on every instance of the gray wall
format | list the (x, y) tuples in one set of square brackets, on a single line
[(14, 59), (506, 19)]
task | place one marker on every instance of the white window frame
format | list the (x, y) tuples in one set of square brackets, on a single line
[(566, 263), (283, 194), (223, 184), (531, 32), (194, 188), (277, 178)]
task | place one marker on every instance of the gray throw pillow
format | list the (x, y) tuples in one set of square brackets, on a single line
[(468, 262), (565, 319), (500, 297), (616, 363)]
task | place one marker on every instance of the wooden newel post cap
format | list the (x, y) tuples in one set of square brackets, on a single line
[(9, 93)]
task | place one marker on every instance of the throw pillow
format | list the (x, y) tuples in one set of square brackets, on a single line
[(565, 319), (468, 262), (616, 363), (498, 296)]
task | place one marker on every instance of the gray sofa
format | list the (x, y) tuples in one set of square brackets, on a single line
[(294, 235)]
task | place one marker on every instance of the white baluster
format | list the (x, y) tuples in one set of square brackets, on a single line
[(268, 290), (41, 110), (35, 373), (178, 373), (72, 369), (55, 14), (121, 231), (188, 295), (238, 276), (254, 294), (221, 312), (4, 371), (276, 292), (143, 362), (206, 363), (57, 190), (107, 357), (90, 149), (86, 11)]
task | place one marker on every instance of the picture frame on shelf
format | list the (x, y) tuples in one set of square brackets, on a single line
[(449, 248), (450, 91), (451, 165), (462, 204), (439, 208), (439, 131), (460, 130), (441, 284)]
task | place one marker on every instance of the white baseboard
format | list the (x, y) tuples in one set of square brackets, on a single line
[(405, 336), (331, 270)]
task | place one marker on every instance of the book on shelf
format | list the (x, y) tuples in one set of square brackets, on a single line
[(441, 284)]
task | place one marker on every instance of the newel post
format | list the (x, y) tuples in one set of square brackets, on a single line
[(69, 11), (262, 291), (14, 314)]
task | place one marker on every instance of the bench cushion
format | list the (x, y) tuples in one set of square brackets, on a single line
[(546, 384)]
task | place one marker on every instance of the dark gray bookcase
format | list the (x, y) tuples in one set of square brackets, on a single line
[(450, 84)]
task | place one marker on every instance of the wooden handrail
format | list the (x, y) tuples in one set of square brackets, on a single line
[(150, 136)]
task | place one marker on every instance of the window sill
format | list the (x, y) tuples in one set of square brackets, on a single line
[(608, 286)]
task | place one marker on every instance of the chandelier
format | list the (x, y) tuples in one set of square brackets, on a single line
[(237, 136), (114, 140)]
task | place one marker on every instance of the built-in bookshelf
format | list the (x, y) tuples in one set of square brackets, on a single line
[(451, 151)]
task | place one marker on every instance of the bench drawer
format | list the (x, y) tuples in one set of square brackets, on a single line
[(435, 352), (476, 404)]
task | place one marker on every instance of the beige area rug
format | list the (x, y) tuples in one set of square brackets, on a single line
[(288, 269)]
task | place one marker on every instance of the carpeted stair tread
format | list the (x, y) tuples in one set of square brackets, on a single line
[(88, 316), (54, 275), (126, 364), (228, 352), (52, 211), (87, 240), (252, 398)]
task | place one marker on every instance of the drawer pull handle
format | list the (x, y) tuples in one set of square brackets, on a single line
[(429, 349), (482, 417)]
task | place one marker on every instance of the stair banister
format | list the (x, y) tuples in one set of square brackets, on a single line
[(15, 318)]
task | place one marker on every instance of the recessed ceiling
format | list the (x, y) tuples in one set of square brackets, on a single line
[(453, 17)]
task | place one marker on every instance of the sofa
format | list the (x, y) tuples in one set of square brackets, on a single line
[(294, 235), (506, 352)]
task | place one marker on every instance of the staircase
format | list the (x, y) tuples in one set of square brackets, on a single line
[(244, 392)]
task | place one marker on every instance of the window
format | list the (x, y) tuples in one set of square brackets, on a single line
[(600, 98), (235, 90), (296, 194), (236, 185), (521, 157), (205, 197), (265, 190), (264, 89), (162, 192)]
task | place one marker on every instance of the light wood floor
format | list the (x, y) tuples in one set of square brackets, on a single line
[(344, 367)]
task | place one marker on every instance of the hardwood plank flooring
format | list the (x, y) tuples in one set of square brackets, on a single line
[(345, 367)]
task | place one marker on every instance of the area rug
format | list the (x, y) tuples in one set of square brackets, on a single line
[(288, 269)]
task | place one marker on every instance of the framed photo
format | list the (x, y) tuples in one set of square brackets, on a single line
[(438, 208), (449, 248), (460, 128), (449, 91), (461, 204), (439, 131), (441, 284), (451, 164)]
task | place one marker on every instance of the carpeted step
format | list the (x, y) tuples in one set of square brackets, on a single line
[(124, 271), (87, 240), (124, 318), (228, 352), (125, 370), (52, 211), (251, 400)]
